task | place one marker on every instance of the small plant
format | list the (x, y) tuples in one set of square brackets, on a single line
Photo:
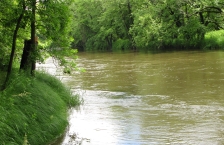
[(25, 140)]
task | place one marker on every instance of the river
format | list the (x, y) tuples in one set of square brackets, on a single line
[(148, 99)]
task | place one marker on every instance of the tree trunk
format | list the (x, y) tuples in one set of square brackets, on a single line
[(33, 38), (131, 22), (25, 61)]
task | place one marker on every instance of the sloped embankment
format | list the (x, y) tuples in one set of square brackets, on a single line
[(34, 109)]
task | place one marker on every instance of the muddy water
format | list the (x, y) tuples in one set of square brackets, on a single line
[(166, 98)]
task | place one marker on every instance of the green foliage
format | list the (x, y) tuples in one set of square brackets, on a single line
[(101, 25), (146, 25), (34, 109), (121, 44), (147, 31), (54, 22), (9, 13), (53, 27), (62, 56)]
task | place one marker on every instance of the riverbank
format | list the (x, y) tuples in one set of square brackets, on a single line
[(34, 109)]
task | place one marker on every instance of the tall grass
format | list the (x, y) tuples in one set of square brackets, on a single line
[(34, 109)]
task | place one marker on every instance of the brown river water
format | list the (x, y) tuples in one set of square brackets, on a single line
[(146, 99)]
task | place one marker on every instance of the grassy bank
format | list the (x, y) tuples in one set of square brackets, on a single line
[(34, 110)]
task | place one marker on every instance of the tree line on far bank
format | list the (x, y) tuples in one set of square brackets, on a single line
[(147, 24)]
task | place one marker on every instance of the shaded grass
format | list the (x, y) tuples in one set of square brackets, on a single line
[(35, 107), (2, 78)]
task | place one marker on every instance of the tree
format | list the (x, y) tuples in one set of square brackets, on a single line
[(38, 17), (19, 10), (175, 24)]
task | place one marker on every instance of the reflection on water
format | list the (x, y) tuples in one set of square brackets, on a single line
[(167, 98)]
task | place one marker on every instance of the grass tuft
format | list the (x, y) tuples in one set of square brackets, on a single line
[(34, 109)]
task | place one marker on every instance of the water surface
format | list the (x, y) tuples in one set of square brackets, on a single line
[(156, 99)]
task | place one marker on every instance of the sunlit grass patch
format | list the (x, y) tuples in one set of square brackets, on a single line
[(214, 40), (34, 109)]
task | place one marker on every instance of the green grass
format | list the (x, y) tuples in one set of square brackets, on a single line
[(214, 40), (34, 109), (2, 78)]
